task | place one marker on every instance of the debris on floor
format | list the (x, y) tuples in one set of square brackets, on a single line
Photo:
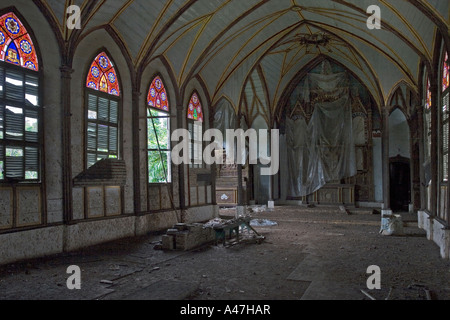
[(344, 210), (240, 228), (186, 237), (391, 225), (256, 209), (262, 223)]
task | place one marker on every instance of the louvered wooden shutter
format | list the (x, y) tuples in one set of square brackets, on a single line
[(19, 124), (102, 129)]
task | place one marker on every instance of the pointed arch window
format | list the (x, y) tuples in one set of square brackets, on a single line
[(446, 73), (20, 104), (158, 133), (102, 76), (195, 127), (427, 118), (445, 112), (102, 114), (16, 46)]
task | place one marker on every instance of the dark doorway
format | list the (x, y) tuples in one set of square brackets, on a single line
[(400, 184)]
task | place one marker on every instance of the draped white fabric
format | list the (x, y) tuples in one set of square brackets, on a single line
[(225, 118), (322, 150)]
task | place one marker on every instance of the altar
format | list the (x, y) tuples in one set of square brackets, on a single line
[(328, 130), (331, 194)]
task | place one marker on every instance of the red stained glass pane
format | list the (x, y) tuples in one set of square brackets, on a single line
[(446, 73), (102, 76), (429, 103), (157, 95), (16, 46), (195, 110)]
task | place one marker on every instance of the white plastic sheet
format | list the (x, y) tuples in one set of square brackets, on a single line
[(322, 150)]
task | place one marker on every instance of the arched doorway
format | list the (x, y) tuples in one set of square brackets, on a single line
[(400, 161), (400, 182)]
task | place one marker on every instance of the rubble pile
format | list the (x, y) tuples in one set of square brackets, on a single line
[(186, 237)]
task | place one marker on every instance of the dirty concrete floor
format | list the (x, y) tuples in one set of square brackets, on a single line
[(311, 254)]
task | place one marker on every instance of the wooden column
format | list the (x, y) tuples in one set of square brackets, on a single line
[(240, 202), (181, 167), (271, 198), (369, 158), (435, 182), (240, 186), (447, 194), (136, 153), (385, 159), (421, 133), (214, 165), (66, 78)]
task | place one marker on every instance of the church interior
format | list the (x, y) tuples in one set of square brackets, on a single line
[(357, 92)]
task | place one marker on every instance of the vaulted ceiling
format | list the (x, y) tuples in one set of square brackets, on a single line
[(234, 44)]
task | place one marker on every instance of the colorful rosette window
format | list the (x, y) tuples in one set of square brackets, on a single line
[(195, 111), (102, 76), (16, 46), (157, 95)]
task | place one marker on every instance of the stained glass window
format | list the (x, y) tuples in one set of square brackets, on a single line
[(158, 133), (427, 116), (103, 105), (446, 73), (157, 96), (445, 115), (195, 127), (16, 46), (20, 104), (429, 102), (195, 111), (102, 76)]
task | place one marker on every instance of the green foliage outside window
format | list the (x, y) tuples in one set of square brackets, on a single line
[(158, 132)]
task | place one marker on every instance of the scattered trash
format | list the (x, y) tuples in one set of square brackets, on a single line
[(257, 209), (215, 222), (262, 223), (106, 282), (391, 225)]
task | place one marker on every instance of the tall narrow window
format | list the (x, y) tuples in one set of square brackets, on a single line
[(20, 105), (102, 112), (445, 117), (427, 118), (158, 133), (195, 126)]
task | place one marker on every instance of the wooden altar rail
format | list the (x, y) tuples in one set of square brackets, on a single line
[(331, 194)]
